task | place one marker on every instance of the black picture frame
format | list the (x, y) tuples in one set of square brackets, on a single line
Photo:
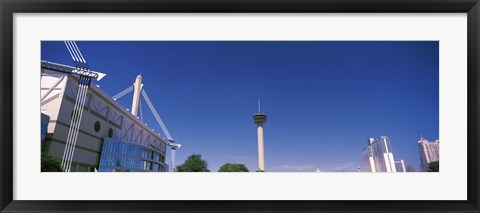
[(9, 7)]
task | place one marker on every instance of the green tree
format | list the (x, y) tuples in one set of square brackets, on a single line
[(433, 166), (194, 163), (233, 167), (50, 163)]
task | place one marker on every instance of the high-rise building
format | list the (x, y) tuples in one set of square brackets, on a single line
[(400, 166), (378, 155), (368, 157), (429, 152)]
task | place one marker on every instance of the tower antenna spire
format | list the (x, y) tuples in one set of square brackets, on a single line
[(259, 105)]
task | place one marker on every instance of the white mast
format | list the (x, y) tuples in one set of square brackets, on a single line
[(137, 88)]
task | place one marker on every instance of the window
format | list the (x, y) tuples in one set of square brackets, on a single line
[(97, 126), (110, 132)]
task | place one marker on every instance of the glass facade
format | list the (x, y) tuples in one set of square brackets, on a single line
[(44, 126), (120, 156)]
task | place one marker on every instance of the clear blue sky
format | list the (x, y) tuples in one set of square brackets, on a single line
[(323, 99)]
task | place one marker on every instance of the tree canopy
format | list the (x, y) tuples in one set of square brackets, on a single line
[(233, 167), (434, 166), (50, 163), (194, 163)]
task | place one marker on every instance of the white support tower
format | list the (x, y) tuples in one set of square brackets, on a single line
[(137, 87), (85, 75)]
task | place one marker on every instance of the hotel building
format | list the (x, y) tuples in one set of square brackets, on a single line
[(429, 152), (378, 155)]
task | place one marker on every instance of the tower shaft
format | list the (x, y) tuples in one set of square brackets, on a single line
[(261, 157)]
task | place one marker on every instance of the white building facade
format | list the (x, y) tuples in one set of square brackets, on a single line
[(378, 155), (429, 152)]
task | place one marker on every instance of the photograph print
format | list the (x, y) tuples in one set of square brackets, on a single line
[(240, 106)]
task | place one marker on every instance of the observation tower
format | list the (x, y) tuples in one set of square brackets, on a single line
[(260, 118)]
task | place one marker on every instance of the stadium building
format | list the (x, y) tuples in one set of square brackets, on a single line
[(110, 138)]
